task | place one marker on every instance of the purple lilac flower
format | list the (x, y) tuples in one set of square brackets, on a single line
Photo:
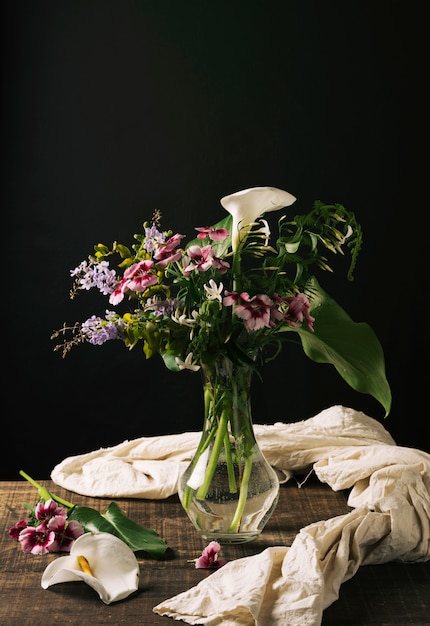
[(98, 330), (96, 275), (153, 237), (81, 269), (161, 307)]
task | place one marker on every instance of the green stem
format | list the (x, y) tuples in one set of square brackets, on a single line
[(186, 498), (44, 493), (229, 460), (203, 444), (236, 271), (213, 460), (243, 494)]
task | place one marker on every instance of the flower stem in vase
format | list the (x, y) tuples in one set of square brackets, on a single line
[(229, 489), (220, 436)]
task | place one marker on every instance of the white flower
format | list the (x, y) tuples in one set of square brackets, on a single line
[(187, 364), (183, 320), (349, 232), (213, 291), (113, 566), (265, 232), (247, 205)]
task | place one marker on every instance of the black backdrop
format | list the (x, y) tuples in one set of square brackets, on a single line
[(114, 108)]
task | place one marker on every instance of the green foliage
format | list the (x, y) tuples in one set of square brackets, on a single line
[(115, 522), (351, 347)]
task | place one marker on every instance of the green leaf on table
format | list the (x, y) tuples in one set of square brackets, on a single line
[(115, 522)]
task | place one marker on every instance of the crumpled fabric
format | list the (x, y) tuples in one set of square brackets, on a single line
[(150, 467), (286, 586)]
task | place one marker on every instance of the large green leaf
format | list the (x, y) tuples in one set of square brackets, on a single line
[(352, 347), (115, 522)]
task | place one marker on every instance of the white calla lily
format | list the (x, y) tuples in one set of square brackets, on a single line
[(113, 566), (247, 205)]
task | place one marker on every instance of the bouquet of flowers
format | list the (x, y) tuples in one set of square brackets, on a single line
[(224, 303), (232, 291)]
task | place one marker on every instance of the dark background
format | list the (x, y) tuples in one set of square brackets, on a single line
[(111, 109)]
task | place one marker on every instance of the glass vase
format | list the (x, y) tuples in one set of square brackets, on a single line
[(229, 490)]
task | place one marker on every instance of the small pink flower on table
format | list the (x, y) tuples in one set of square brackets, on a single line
[(36, 539), (209, 557)]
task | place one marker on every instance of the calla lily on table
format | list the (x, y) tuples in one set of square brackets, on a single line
[(102, 561)]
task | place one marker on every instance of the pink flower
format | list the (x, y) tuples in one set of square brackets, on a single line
[(165, 254), (209, 557), (137, 277), (16, 529), (216, 234), (255, 310), (201, 259), (230, 298), (221, 265), (36, 540), (46, 510), (117, 296), (298, 309), (65, 533)]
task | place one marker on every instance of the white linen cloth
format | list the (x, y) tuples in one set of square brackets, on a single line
[(285, 586)]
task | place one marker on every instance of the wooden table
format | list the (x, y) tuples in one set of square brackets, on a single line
[(390, 594)]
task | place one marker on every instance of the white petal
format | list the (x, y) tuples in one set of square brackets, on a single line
[(113, 563), (198, 475), (257, 200), (247, 205)]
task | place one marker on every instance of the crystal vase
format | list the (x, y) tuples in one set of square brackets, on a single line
[(229, 490)]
